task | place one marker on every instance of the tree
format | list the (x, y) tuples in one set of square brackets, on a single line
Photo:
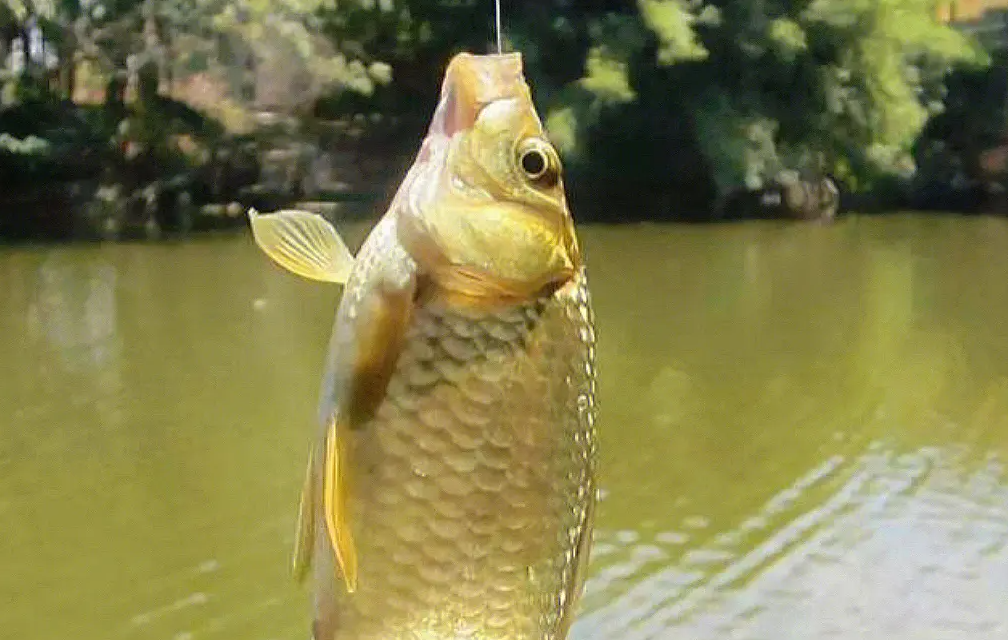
[(974, 118), (836, 86)]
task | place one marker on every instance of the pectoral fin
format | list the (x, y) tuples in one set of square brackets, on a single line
[(303, 243), (380, 335)]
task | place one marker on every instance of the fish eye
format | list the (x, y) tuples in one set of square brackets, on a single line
[(539, 162), (533, 163)]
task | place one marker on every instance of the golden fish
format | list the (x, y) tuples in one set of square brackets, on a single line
[(451, 492)]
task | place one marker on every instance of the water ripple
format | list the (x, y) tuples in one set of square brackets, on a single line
[(884, 544)]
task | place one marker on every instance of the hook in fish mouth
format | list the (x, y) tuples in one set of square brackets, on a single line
[(472, 82)]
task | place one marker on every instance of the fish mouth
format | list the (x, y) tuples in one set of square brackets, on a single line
[(471, 82)]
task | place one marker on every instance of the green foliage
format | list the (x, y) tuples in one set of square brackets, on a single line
[(45, 140), (973, 118), (30, 146), (838, 86), (749, 87), (405, 41), (672, 23), (228, 38), (606, 83), (678, 102), (872, 85)]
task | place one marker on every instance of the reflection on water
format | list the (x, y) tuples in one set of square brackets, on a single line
[(805, 435), (885, 545), (72, 308)]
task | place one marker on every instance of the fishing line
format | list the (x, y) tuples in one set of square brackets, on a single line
[(497, 13)]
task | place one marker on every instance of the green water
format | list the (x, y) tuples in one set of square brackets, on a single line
[(805, 433)]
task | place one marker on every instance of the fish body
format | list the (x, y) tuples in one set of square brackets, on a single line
[(452, 489)]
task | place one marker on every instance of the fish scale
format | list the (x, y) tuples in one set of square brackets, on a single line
[(472, 481)]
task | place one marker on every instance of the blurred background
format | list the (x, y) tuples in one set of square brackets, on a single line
[(804, 426), (140, 118)]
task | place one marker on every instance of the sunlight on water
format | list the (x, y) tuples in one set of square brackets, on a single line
[(821, 451), (897, 546), (805, 433)]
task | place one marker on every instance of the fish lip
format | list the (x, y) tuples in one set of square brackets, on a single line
[(471, 82)]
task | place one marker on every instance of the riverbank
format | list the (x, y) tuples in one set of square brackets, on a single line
[(341, 169), (148, 184)]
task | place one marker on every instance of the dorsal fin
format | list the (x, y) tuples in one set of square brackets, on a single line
[(304, 243)]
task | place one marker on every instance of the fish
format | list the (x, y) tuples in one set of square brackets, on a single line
[(451, 488)]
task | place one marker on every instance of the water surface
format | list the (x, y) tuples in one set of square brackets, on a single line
[(804, 434)]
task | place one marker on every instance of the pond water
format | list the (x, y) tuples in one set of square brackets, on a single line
[(804, 434)]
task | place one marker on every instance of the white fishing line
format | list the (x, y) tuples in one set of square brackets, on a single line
[(497, 15)]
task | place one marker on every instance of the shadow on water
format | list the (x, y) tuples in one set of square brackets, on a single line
[(804, 434)]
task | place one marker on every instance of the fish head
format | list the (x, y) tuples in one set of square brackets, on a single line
[(483, 209)]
